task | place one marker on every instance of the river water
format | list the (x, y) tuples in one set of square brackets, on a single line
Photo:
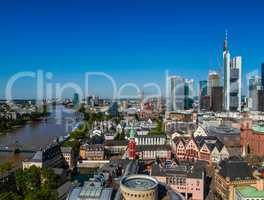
[(36, 135)]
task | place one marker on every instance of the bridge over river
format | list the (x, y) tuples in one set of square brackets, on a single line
[(36, 135), (17, 148)]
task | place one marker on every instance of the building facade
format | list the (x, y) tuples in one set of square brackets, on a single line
[(228, 178), (232, 80), (184, 179), (92, 152), (141, 187), (205, 148), (68, 155), (252, 138), (235, 83), (253, 88), (226, 66), (49, 157), (175, 93), (217, 99), (152, 152), (213, 81)]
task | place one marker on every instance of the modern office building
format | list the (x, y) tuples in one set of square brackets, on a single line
[(188, 94), (232, 80), (217, 99), (203, 88), (213, 81), (205, 103), (176, 93), (226, 65), (204, 100), (75, 100), (262, 75), (254, 87), (235, 83), (113, 109), (261, 100)]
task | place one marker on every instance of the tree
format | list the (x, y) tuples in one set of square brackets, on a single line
[(5, 167), (35, 183), (120, 136), (10, 196), (157, 130), (42, 194), (28, 180)]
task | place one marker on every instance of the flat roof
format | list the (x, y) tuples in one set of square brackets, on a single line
[(258, 128), (139, 182), (250, 192)]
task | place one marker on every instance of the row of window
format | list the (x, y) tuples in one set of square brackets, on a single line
[(140, 195)]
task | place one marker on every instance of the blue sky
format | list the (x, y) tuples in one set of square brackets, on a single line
[(131, 40)]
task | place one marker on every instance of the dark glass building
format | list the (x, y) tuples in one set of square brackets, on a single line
[(217, 99), (203, 88)]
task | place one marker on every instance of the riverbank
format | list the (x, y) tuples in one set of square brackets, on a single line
[(7, 126), (37, 134)]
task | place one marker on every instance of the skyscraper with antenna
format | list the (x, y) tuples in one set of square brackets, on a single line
[(226, 65)]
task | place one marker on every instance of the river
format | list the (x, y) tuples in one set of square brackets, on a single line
[(38, 134)]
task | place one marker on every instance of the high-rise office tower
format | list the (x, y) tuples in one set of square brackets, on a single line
[(262, 75), (226, 65), (217, 99), (213, 81), (235, 83), (261, 91), (176, 93), (232, 80), (203, 88), (254, 87), (204, 100), (75, 99), (188, 94), (260, 100)]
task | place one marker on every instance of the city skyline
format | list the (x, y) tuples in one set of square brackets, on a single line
[(131, 100), (181, 39)]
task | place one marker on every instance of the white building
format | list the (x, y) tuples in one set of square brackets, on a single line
[(232, 80), (226, 65)]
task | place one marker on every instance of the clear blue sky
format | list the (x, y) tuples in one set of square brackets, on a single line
[(132, 40)]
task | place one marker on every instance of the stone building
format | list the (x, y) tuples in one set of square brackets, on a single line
[(68, 155), (49, 157), (185, 179), (252, 137), (141, 187), (232, 174), (92, 152)]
